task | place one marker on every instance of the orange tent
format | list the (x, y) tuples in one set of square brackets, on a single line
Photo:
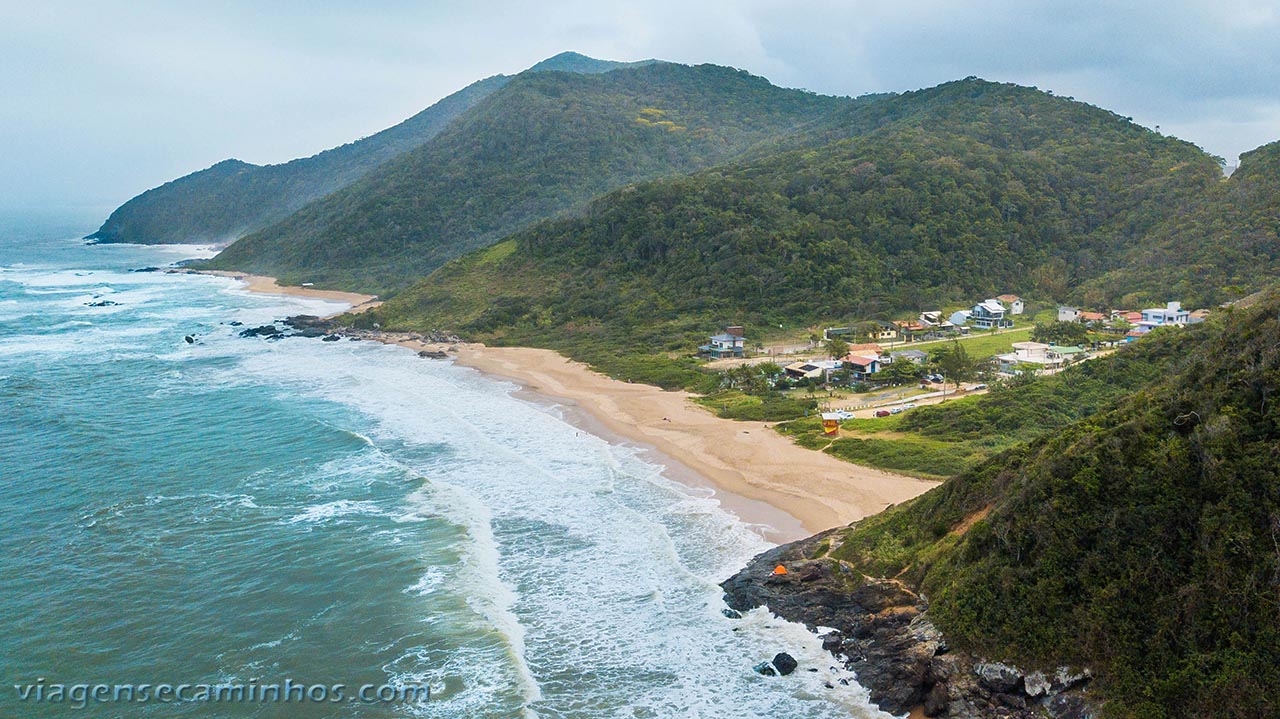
[(779, 569)]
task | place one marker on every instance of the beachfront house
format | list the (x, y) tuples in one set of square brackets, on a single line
[(803, 370), (862, 367), (729, 343), (1047, 357), (1014, 302), (989, 314)]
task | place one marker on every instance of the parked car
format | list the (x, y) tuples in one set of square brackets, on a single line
[(979, 386), (909, 405), (896, 410), (882, 413)]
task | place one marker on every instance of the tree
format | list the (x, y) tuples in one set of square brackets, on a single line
[(956, 363), (837, 348), (901, 371), (1060, 333)]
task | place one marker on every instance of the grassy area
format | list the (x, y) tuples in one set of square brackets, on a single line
[(734, 404), (883, 444)]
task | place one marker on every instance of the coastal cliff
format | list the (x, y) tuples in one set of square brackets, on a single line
[(882, 631)]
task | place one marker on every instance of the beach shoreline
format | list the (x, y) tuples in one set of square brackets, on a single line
[(764, 478), (758, 473), (268, 285)]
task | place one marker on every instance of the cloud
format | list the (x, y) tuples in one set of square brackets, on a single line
[(105, 99)]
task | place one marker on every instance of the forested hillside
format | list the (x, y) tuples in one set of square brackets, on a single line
[(232, 198), (542, 146), (1215, 248), (943, 195), (1141, 542)]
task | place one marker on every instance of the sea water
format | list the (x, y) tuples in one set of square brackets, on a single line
[(242, 511)]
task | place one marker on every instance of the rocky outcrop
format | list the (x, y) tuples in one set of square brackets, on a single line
[(880, 629)]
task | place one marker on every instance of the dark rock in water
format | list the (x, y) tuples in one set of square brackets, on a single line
[(302, 322), (102, 303), (190, 340), (235, 323), (262, 331), (354, 339), (785, 663), (765, 668), (430, 354), (731, 613), (330, 338), (311, 332), (146, 269)]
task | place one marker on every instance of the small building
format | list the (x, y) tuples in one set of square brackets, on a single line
[(862, 367), (868, 349), (931, 318), (1171, 314), (1090, 317), (888, 332), (830, 423), (959, 317), (916, 356), (1068, 353), (729, 343), (1068, 314), (988, 314), (803, 370), (1015, 303)]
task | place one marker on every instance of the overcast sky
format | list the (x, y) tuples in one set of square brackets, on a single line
[(100, 100)]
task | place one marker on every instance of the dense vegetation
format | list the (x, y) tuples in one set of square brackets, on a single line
[(942, 195), (942, 440), (1141, 541), (543, 145), (232, 198), (1223, 245)]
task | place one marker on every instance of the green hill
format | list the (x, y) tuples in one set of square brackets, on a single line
[(1141, 542), (1219, 247), (542, 146), (232, 198), (939, 196)]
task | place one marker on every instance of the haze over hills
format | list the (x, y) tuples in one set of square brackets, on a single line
[(541, 146), (232, 198), (962, 190)]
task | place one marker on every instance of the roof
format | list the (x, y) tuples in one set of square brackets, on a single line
[(1008, 298), (1092, 316), (865, 348), (861, 361), (991, 305), (1067, 350), (910, 353), (1030, 346), (724, 338), (831, 416)]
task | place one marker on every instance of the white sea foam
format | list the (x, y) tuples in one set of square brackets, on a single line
[(332, 510)]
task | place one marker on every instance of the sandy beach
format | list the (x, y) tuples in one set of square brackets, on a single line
[(748, 459), (268, 285)]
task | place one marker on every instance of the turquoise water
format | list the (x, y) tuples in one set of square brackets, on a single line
[(238, 510)]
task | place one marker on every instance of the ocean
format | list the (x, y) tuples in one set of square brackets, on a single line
[(342, 515)]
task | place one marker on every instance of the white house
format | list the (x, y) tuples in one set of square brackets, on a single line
[(1015, 303), (1068, 314), (729, 343), (989, 313), (1170, 314), (960, 317)]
